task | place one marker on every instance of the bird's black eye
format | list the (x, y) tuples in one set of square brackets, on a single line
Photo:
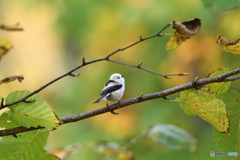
[(118, 77)]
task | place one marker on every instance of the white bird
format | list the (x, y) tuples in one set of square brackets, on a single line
[(113, 90)]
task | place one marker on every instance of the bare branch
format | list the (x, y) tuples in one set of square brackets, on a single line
[(138, 99), (84, 63)]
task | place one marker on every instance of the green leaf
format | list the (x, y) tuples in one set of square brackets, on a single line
[(221, 5), (230, 142), (5, 121), (50, 157), (111, 149), (221, 87), (172, 137), (28, 145), (36, 113), (207, 106)]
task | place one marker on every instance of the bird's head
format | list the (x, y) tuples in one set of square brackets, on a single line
[(117, 77)]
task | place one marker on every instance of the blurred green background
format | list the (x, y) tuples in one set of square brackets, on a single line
[(57, 34)]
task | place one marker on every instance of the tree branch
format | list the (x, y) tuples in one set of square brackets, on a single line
[(84, 63), (162, 94), (232, 78)]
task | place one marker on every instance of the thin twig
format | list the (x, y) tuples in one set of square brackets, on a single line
[(138, 99), (160, 74), (140, 40), (84, 63)]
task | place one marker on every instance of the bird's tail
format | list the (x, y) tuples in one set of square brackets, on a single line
[(103, 96)]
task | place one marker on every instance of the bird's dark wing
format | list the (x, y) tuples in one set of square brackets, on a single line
[(111, 89), (110, 81)]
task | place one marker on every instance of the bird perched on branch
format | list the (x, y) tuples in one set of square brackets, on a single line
[(113, 90)]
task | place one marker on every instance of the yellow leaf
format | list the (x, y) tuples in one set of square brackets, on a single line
[(174, 42), (220, 87), (5, 46), (207, 106), (233, 47)]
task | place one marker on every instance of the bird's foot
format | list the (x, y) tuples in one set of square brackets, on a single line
[(112, 111)]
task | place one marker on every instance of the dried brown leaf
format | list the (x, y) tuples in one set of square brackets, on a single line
[(187, 28), (233, 47), (11, 78), (184, 30), (15, 27)]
